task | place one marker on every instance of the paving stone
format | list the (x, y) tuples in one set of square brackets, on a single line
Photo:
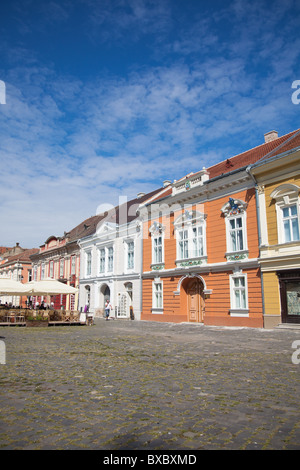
[(148, 386)]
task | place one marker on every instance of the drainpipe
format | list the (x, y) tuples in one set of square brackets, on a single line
[(141, 272), (248, 170)]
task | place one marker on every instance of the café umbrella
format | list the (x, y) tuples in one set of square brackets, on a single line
[(49, 287), (11, 287)]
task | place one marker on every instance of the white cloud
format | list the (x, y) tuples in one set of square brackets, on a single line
[(68, 146)]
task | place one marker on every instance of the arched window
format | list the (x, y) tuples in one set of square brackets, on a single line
[(286, 197)]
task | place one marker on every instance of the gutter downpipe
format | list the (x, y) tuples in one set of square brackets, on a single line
[(248, 170)]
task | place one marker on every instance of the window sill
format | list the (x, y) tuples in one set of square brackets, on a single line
[(239, 312), (158, 311), (237, 255), (157, 266), (187, 262)]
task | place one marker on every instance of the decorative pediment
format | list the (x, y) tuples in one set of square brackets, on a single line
[(234, 207), (189, 217), (156, 228), (107, 229), (285, 191)]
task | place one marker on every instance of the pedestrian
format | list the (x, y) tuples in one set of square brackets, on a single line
[(107, 308)]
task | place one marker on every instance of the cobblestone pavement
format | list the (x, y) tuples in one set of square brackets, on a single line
[(133, 385)]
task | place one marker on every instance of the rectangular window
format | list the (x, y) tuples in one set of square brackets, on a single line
[(35, 273), (51, 269), (236, 234), (61, 267), (88, 263), (110, 260), (290, 223), (157, 295), (157, 250), (130, 255), (239, 295), (183, 244), (73, 265), (197, 242), (102, 260), (43, 271)]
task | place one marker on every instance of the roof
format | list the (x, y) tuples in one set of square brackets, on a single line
[(244, 159), (23, 257), (250, 156), (124, 213)]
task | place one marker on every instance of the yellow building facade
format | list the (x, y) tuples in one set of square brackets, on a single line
[(278, 185)]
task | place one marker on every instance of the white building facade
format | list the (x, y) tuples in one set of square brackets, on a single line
[(111, 263)]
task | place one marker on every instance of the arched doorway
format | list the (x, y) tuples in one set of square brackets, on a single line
[(195, 304), (104, 295)]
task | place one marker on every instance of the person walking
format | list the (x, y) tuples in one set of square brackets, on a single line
[(107, 309)]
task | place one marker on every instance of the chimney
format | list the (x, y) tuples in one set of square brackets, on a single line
[(166, 183), (272, 135), (139, 195)]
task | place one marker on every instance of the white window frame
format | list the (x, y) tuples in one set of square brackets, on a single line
[(289, 219), (186, 224), (129, 255), (233, 210), (61, 267), (157, 232), (88, 263), (230, 246), (51, 269), (102, 260), (285, 195), (73, 265), (43, 270), (110, 264), (157, 308), (238, 310)]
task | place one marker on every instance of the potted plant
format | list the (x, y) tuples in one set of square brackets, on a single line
[(37, 320)]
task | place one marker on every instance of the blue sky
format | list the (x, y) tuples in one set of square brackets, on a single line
[(108, 98)]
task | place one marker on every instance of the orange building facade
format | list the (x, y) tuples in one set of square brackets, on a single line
[(201, 246)]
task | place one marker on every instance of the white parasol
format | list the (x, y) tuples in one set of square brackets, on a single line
[(49, 287), (11, 287)]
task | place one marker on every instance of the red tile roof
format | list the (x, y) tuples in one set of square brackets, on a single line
[(251, 156), (263, 151), (23, 257)]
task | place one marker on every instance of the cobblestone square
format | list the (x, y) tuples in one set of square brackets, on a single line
[(129, 385)]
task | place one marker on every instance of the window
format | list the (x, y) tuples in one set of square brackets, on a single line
[(157, 249), (183, 244), (236, 238), (130, 255), (197, 241), (110, 263), (157, 299), (35, 272), (287, 209), (238, 294), (61, 267), (73, 265), (51, 269), (236, 234), (190, 235), (43, 271), (102, 260), (290, 223), (88, 263), (157, 236)]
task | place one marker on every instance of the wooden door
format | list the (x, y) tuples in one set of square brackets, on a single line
[(195, 301)]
